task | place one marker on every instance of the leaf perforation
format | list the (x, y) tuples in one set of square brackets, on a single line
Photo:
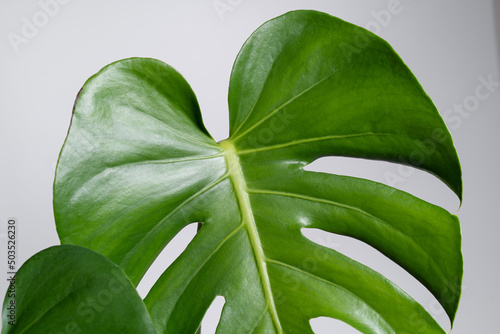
[(212, 253), (348, 207), (321, 279), (171, 213)]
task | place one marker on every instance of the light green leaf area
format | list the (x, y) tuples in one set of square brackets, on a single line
[(138, 166), (70, 289)]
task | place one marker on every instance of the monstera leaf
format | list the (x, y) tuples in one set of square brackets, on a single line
[(70, 289), (138, 165)]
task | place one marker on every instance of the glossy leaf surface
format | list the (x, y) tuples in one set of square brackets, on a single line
[(70, 289), (138, 166)]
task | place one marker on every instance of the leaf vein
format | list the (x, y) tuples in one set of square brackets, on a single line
[(348, 207), (168, 161), (174, 131), (212, 253), (281, 106), (321, 279), (171, 213), (309, 140), (50, 309)]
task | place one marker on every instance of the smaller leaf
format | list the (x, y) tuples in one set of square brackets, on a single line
[(71, 289)]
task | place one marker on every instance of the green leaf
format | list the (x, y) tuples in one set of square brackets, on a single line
[(138, 166), (70, 289)]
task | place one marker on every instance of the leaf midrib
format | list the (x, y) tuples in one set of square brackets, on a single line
[(241, 191)]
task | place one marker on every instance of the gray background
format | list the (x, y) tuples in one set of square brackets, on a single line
[(448, 44)]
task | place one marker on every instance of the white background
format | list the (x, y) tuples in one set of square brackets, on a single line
[(448, 44)]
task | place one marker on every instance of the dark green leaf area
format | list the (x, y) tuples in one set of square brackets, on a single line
[(296, 91), (406, 229), (70, 289)]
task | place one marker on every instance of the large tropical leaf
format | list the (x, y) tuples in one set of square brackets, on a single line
[(70, 289), (138, 166)]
